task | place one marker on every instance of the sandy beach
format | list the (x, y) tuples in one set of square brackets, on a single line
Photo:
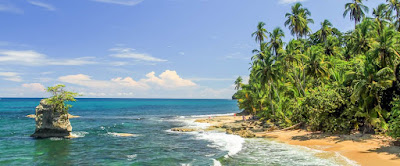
[(366, 150)]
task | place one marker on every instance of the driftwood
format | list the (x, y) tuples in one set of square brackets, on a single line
[(292, 127)]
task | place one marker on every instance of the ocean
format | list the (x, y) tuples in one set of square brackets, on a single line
[(153, 144)]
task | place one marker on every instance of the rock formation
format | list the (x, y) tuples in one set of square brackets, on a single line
[(50, 122)]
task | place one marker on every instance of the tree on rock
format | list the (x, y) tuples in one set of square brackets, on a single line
[(60, 96), (52, 114)]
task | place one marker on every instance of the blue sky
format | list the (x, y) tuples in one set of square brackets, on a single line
[(139, 48)]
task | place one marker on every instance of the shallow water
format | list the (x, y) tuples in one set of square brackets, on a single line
[(154, 144)]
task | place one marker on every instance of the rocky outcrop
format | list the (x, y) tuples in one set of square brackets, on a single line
[(183, 129), (50, 122)]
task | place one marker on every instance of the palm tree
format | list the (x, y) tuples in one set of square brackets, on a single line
[(298, 20), (260, 33), (276, 43), (357, 11), (367, 85), (381, 15), (360, 38), (326, 30), (238, 83), (385, 48), (315, 65), (394, 5), (266, 71)]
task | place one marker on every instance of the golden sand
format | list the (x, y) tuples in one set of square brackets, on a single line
[(365, 150)]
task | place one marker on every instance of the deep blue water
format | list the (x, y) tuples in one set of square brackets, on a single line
[(154, 144)]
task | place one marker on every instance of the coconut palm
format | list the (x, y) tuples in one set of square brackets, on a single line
[(315, 65), (360, 38), (385, 48), (326, 30), (238, 83), (276, 43), (260, 33), (266, 71), (298, 20), (357, 11), (394, 5), (367, 85), (381, 16)]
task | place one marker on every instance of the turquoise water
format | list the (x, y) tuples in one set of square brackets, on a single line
[(154, 144)]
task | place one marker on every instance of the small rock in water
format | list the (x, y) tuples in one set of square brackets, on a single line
[(183, 129), (123, 134)]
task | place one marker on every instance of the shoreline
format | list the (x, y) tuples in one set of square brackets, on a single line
[(365, 150)]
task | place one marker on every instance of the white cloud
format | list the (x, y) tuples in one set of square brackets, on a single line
[(168, 79), (36, 87), (10, 9), (11, 76), (181, 53), (33, 58), (121, 2), (43, 5), (129, 54), (290, 1)]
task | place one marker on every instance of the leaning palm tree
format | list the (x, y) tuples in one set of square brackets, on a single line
[(357, 11), (260, 33), (276, 43), (238, 83), (298, 20)]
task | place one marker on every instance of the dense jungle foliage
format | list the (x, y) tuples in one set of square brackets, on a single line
[(329, 81)]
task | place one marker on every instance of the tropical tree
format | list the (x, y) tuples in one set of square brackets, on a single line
[(275, 44), (394, 5), (367, 85), (357, 11), (238, 83), (385, 48), (60, 97), (316, 67), (326, 30), (298, 20), (260, 33)]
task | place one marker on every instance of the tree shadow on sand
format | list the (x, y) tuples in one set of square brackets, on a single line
[(335, 137), (393, 150)]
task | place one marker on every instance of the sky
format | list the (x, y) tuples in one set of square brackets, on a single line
[(140, 48)]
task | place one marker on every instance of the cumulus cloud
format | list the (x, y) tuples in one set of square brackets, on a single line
[(36, 87), (11, 76), (290, 1), (128, 53), (167, 79), (33, 58), (43, 5), (121, 2)]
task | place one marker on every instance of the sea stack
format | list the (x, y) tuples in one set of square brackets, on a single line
[(51, 122)]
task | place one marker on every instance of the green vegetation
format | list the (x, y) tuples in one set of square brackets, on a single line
[(60, 96), (328, 81)]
